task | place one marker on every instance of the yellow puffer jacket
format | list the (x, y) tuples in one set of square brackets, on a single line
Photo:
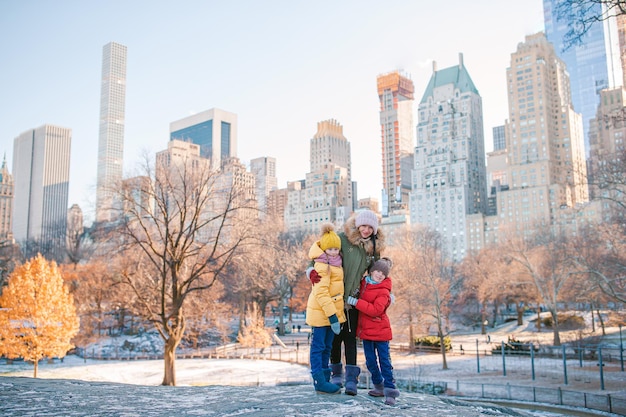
[(326, 296)]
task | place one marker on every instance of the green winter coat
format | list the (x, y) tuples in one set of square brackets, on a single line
[(357, 255), (326, 297)]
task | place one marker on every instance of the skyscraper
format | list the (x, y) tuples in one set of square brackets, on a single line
[(326, 194), (395, 92), (111, 135), (608, 141), (330, 147), (544, 133), (449, 177), (41, 172), (621, 36), (499, 141), (214, 130), (592, 66), (6, 202), (546, 169), (264, 169)]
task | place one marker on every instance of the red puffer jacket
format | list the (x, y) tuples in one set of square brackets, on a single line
[(372, 305)]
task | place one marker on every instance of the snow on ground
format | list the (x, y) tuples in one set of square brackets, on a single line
[(150, 372)]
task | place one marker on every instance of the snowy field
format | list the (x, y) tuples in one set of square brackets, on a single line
[(264, 372)]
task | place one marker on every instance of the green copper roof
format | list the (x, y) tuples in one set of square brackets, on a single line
[(457, 75)]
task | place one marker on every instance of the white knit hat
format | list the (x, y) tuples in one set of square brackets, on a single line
[(367, 217)]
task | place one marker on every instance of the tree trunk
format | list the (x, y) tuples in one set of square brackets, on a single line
[(443, 351), (538, 318), (555, 328), (593, 320), (483, 316), (495, 315), (601, 322), (520, 313), (281, 319), (169, 360), (35, 367)]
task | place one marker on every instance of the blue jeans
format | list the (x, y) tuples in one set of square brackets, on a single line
[(378, 362), (321, 344)]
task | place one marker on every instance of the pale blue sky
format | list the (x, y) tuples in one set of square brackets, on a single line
[(281, 66)]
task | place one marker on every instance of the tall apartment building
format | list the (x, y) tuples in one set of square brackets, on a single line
[(41, 173), (395, 92), (621, 35), (608, 143), (235, 176), (327, 194), (449, 176), (214, 130), (545, 137), (111, 133), (180, 163), (593, 66), (75, 224), (546, 170), (264, 169), (6, 203)]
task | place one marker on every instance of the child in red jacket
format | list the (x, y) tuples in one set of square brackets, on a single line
[(374, 329)]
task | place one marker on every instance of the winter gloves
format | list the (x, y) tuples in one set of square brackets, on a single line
[(352, 300), (312, 275), (334, 324)]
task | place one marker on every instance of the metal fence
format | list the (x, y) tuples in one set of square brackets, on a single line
[(557, 396)]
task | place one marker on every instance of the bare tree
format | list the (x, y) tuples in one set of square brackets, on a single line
[(406, 310), (267, 271), (431, 280), (491, 278), (581, 15), (601, 255), (547, 260), (178, 233)]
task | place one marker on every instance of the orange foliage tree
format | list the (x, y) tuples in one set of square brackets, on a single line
[(37, 316)]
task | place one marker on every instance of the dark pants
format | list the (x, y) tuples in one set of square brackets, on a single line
[(321, 342), (378, 362), (347, 336)]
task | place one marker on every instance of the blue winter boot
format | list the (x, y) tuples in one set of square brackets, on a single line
[(323, 386), (337, 374), (326, 374), (352, 379)]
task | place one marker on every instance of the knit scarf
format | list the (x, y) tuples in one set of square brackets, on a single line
[(330, 260)]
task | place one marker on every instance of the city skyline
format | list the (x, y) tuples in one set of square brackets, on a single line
[(271, 66)]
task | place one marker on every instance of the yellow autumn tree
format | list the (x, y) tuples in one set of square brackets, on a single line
[(37, 314)]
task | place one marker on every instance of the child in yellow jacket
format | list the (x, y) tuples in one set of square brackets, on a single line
[(325, 309)]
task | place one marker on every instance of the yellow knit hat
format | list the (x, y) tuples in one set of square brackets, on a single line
[(329, 238)]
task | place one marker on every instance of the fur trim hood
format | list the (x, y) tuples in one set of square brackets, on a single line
[(354, 237)]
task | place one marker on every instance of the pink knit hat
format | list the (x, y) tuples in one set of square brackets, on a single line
[(367, 217)]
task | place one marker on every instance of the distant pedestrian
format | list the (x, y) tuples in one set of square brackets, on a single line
[(374, 329), (324, 309), (299, 328), (488, 338)]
